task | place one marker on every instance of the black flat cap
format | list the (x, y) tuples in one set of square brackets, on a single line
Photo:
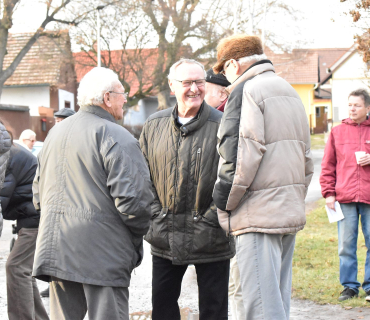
[(64, 113), (219, 78)]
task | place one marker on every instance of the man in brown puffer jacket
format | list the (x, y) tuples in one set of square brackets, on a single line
[(264, 172), (180, 146)]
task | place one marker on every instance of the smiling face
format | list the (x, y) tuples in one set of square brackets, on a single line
[(357, 109), (189, 99)]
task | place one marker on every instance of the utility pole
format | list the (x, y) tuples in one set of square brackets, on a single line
[(235, 16), (98, 33), (264, 25)]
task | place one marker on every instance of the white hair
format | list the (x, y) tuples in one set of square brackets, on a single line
[(26, 134), (172, 73), (255, 57), (94, 85)]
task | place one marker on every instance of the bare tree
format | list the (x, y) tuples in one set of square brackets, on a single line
[(175, 29), (360, 12), (65, 12)]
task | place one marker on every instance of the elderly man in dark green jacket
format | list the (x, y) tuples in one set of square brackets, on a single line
[(180, 147), (94, 191)]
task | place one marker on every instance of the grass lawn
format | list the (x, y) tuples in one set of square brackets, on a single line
[(317, 141), (316, 262)]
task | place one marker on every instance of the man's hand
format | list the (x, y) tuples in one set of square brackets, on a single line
[(364, 160), (330, 202)]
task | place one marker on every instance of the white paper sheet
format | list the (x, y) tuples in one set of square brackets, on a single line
[(336, 215)]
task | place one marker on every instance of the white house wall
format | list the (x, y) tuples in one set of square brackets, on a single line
[(30, 96), (351, 75), (65, 96)]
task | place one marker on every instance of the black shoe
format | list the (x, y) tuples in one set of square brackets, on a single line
[(347, 293), (45, 293), (367, 295)]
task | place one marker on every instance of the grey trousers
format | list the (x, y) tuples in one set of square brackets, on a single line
[(235, 291), (24, 301), (265, 264), (71, 300)]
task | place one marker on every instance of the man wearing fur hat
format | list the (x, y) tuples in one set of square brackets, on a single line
[(264, 172)]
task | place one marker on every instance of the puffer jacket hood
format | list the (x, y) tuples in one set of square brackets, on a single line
[(341, 176), (183, 161), (265, 160)]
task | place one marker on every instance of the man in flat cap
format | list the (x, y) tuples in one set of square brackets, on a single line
[(63, 114), (216, 96), (264, 172)]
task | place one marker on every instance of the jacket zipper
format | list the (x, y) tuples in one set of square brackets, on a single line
[(358, 171), (197, 165)]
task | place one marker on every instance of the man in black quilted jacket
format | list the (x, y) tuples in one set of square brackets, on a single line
[(24, 300), (180, 146)]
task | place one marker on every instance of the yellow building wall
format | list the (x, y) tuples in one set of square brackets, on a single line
[(306, 93)]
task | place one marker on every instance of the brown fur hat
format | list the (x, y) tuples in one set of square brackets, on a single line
[(236, 47)]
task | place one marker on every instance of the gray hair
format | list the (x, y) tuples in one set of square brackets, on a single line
[(363, 94), (94, 85), (255, 57), (172, 73), (26, 134)]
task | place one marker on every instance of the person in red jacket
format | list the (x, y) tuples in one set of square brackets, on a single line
[(346, 180)]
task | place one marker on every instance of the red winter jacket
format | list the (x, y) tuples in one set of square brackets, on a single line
[(341, 176)]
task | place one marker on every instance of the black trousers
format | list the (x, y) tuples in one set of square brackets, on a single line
[(213, 284)]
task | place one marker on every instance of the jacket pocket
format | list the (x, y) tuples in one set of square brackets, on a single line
[(157, 235), (197, 165), (208, 238)]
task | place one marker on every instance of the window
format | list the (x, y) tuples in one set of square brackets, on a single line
[(318, 113), (67, 104)]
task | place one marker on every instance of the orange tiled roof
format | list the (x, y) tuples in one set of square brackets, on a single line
[(298, 67), (41, 65), (127, 64), (304, 65)]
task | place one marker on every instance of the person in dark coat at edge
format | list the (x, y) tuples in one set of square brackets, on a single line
[(24, 301), (5, 144), (180, 146), (93, 188)]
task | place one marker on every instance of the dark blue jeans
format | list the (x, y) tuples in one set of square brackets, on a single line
[(347, 244)]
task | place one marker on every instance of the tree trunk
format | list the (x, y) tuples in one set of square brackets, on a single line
[(164, 99)]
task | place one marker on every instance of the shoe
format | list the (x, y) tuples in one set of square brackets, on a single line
[(347, 293), (367, 296), (45, 293)]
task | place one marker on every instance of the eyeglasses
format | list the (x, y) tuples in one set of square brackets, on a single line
[(30, 140), (125, 94), (189, 83), (226, 66)]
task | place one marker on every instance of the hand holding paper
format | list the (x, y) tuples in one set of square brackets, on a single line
[(334, 215)]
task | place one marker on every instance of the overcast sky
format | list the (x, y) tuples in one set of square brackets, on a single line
[(324, 26)]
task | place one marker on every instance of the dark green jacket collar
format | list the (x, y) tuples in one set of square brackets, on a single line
[(100, 112), (194, 124)]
